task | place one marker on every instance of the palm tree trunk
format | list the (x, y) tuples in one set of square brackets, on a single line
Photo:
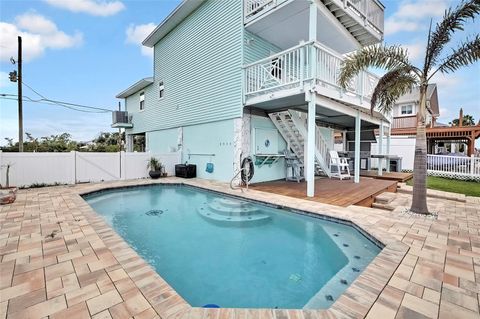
[(419, 198)]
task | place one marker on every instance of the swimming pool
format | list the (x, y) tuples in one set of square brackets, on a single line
[(215, 249)]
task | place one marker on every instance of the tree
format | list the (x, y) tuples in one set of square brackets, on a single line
[(467, 121), (401, 76)]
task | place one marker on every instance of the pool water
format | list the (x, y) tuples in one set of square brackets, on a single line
[(220, 250)]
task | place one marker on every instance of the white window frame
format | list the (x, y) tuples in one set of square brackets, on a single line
[(161, 90), (142, 101), (405, 108)]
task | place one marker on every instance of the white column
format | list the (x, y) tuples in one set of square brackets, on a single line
[(380, 149), (312, 25), (310, 154), (389, 133), (344, 140), (358, 124), (129, 138)]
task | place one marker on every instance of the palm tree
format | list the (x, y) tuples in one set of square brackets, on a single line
[(401, 76)]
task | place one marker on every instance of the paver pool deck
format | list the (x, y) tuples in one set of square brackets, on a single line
[(59, 259)]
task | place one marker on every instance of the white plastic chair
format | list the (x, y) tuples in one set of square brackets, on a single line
[(341, 163)]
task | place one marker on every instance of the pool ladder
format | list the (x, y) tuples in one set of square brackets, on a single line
[(235, 176)]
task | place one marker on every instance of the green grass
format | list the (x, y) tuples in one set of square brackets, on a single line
[(469, 188)]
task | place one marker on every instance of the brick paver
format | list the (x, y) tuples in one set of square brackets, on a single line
[(59, 259)]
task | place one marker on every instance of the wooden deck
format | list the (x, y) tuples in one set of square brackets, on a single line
[(332, 191), (391, 176)]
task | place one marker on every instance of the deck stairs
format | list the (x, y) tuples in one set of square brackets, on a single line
[(357, 30), (292, 125)]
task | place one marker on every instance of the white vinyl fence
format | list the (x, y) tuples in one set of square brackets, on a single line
[(79, 167), (459, 167)]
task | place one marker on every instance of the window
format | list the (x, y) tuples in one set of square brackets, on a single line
[(407, 109), (142, 101), (161, 90)]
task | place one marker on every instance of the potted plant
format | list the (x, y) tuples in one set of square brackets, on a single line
[(7, 194), (155, 168)]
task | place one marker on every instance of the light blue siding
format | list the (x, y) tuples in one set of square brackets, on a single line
[(200, 64), (162, 141), (256, 48), (266, 172), (210, 138)]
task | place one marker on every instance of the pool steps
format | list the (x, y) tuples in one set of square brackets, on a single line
[(227, 210)]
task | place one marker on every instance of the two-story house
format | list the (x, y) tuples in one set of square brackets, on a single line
[(238, 78)]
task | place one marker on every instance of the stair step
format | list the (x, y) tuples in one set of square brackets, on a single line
[(385, 198)]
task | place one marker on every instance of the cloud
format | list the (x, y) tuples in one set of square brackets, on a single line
[(137, 33), (38, 34), (414, 15), (415, 50), (94, 7)]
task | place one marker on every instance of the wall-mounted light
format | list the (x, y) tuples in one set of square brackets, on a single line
[(249, 41)]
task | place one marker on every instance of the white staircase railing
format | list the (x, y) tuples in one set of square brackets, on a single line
[(292, 126)]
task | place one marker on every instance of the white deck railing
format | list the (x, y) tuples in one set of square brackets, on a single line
[(459, 167), (290, 68), (368, 10)]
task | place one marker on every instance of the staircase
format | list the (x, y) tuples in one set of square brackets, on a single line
[(292, 125), (363, 9)]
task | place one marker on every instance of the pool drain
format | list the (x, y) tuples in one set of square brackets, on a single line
[(329, 297), (154, 212), (295, 277)]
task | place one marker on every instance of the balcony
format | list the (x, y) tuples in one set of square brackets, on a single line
[(404, 122), (121, 119), (339, 22), (284, 75)]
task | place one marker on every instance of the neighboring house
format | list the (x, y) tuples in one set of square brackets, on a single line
[(441, 138), (237, 78)]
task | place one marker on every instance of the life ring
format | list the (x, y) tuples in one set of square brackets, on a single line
[(247, 163)]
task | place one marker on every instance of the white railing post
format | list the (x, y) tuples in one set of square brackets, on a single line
[(472, 165)]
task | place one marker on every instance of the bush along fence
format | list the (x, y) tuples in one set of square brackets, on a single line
[(27, 169)]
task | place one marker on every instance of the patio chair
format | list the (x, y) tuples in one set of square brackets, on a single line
[(341, 164)]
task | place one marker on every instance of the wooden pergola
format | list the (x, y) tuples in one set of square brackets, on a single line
[(466, 134)]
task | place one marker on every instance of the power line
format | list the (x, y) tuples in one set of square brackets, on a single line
[(70, 106), (63, 103)]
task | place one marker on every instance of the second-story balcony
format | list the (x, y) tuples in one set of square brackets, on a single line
[(121, 119), (341, 24), (285, 74)]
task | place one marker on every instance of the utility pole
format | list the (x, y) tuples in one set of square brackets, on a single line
[(20, 106)]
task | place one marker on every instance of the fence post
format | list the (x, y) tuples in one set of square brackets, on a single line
[(123, 165), (472, 165), (74, 166)]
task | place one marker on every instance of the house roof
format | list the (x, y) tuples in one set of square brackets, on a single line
[(414, 94), (183, 10), (143, 83)]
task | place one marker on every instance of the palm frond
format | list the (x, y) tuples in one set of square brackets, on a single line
[(377, 56), (453, 20), (465, 54), (391, 86)]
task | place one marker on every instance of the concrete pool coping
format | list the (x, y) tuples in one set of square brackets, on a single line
[(384, 288), (357, 298)]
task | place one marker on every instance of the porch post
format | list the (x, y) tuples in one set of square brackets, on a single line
[(357, 148), (389, 133), (344, 140), (311, 146), (310, 155), (380, 149), (312, 25), (129, 141)]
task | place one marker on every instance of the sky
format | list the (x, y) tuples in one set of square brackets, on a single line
[(87, 51)]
